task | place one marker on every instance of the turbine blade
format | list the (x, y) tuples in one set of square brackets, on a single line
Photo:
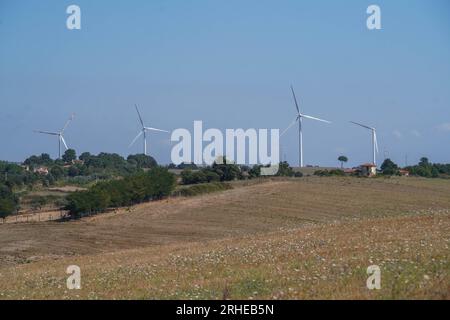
[(139, 114), (313, 118), (68, 121), (290, 126), (362, 125), (134, 140), (63, 141), (154, 129), (295, 100), (46, 132)]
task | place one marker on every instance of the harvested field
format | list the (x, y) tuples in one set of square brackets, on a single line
[(300, 238)]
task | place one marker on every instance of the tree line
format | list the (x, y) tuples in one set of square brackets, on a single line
[(82, 170), (229, 171), (155, 184)]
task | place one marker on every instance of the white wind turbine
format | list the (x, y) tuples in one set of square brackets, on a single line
[(59, 135), (374, 140), (299, 118), (143, 131)]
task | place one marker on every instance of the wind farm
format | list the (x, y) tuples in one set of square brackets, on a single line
[(243, 152)]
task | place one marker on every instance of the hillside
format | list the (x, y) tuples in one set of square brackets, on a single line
[(311, 235)]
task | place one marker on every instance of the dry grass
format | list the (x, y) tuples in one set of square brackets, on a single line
[(306, 238)]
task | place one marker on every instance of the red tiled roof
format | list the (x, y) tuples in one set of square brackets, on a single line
[(368, 165)]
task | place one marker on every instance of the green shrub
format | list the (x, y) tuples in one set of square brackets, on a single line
[(285, 170), (329, 173), (198, 189), (9, 203)]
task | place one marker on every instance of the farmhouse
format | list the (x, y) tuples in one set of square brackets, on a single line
[(368, 169), (404, 173), (41, 170)]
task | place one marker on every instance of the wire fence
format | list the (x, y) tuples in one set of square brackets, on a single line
[(36, 217)]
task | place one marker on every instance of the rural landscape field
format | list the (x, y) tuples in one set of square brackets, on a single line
[(286, 238), (242, 154)]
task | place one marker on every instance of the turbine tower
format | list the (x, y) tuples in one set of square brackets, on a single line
[(374, 140), (299, 119), (59, 135), (143, 131)]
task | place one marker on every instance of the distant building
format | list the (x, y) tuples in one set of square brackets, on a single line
[(368, 169), (41, 170), (404, 173)]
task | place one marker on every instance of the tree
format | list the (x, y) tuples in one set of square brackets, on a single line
[(184, 165), (285, 170), (142, 161), (57, 172), (85, 156), (342, 159), (193, 177), (43, 159), (8, 201), (69, 156), (389, 167), (424, 162), (226, 171), (74, 171), (255, 172)]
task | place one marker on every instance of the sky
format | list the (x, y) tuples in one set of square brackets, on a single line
[(230, 64)]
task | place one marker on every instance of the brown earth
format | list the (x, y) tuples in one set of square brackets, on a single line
[(314, 212)]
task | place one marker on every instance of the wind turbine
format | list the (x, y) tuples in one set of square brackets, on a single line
[(374, 140), (59, 135), (299, 119), (143, 131)]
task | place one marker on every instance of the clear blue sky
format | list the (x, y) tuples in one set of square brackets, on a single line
[(230, 64)]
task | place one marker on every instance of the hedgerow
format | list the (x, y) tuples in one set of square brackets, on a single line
[(155, 184)]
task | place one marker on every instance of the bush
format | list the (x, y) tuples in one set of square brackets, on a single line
[(226, 171), (211, 176), (285, 170), (8, 201), (329, 173), (203, 188), (388, 167), (255, 172), (155, 184), (142, 161), (193, 177)]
